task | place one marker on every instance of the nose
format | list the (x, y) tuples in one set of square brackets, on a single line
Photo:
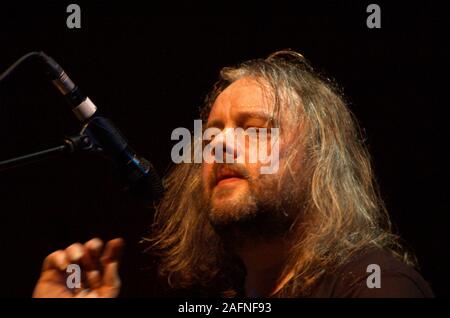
[(225, 146)]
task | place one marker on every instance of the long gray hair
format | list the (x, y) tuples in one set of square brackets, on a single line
[(342, 213)]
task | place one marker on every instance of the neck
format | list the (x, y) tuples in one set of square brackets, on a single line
[(264, 262)]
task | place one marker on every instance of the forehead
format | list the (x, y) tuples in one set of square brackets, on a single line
[(244, 95)]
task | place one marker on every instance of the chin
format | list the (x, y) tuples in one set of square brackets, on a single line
[(228, 194), (222, 202), (231, 207)]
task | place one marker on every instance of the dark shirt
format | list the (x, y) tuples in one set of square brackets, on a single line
[(397, 279)]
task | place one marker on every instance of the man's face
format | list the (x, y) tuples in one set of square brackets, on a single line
[(238, 192)]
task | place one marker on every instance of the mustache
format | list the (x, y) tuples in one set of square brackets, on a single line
[(235, 168)]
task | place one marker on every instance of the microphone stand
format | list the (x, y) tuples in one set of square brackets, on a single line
[(78, 142), (133, 173), (98, 135)]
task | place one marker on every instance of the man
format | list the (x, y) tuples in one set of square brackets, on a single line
[(314, 227)]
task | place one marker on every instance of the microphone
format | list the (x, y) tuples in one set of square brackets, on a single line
[(135, 173), (82, 107)]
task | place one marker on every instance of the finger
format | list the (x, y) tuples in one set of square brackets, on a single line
[(94, 279), (74, 253), (113, 251), (91, 262), (56, 260), (111, 280), (110, 260), (90, 258), (94, 247)]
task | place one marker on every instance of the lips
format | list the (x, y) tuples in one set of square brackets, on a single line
[(225, 175)]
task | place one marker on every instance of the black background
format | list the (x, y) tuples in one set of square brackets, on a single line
[(148, 67)]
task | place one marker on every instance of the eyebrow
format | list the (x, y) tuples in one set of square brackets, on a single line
[(242, 116)]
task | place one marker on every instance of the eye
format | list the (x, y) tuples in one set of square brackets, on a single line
[(256, 124), (255, 127)]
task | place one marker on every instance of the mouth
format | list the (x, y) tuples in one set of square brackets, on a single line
[(227, 176), (228, 180)]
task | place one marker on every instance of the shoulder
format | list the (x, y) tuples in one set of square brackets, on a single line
[(373, 272)]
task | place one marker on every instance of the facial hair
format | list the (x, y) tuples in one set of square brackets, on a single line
[(268, 209)]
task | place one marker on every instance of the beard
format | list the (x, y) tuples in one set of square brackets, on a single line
[(266, 208)]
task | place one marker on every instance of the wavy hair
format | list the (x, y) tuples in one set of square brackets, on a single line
[(342, 211)]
